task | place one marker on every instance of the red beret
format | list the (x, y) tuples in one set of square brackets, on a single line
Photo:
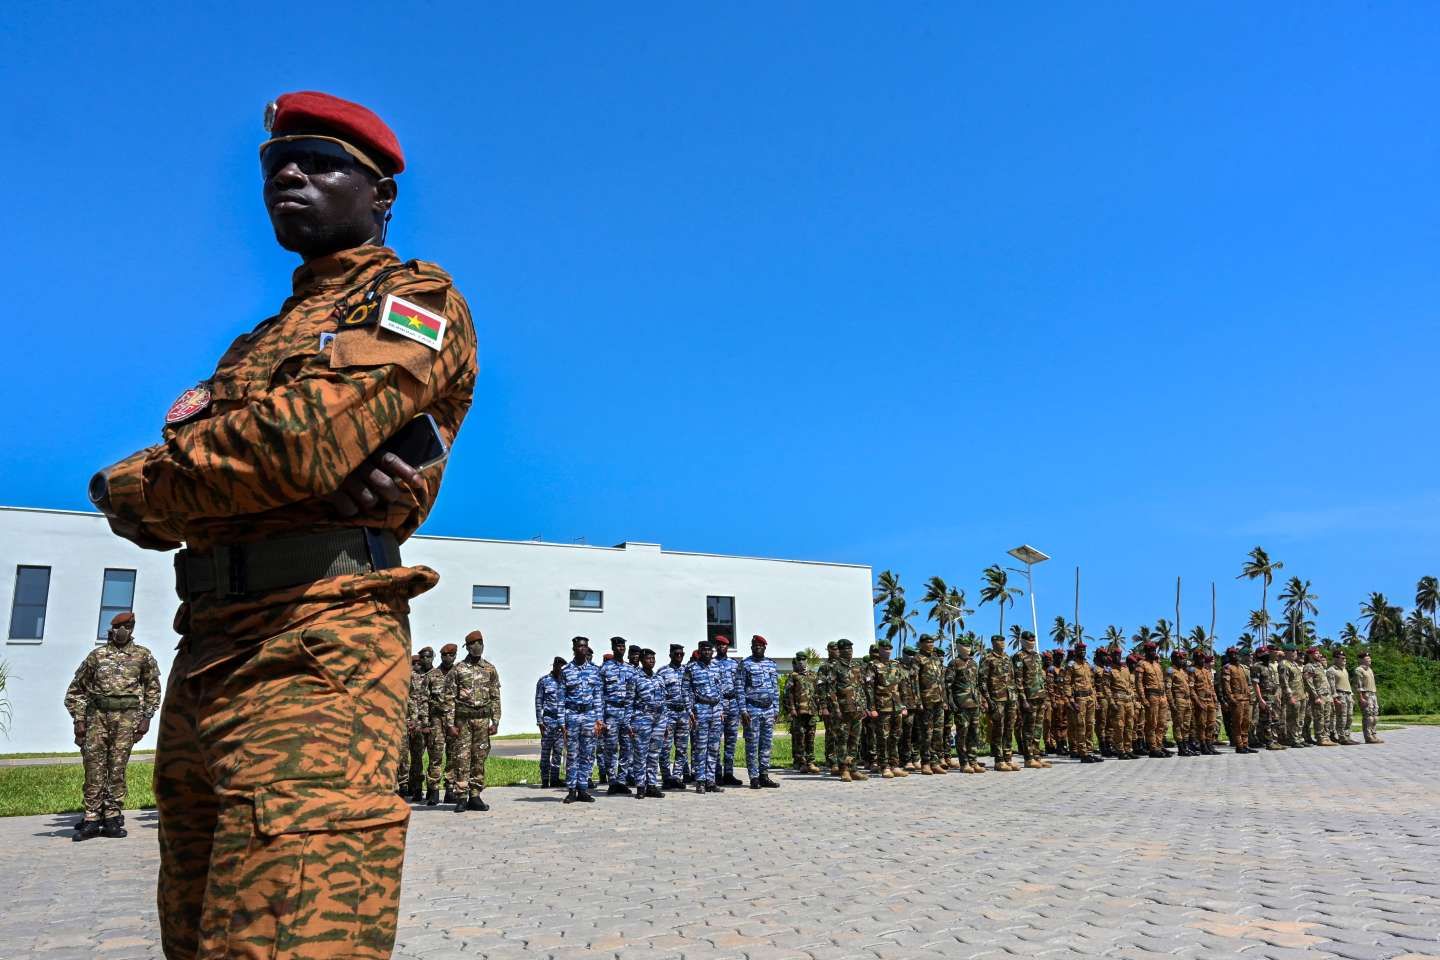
[(123, 619), (309, 112), (449, 648), (474, 635), (760, 640), (722, 640)]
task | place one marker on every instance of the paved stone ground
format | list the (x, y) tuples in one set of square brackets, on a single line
[(1314, 853)]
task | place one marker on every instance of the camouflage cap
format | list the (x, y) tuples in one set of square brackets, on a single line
[(123, 619), (910, 651), (449, 648), (832, 645)]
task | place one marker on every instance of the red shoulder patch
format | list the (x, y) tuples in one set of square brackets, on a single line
[(188, 404)]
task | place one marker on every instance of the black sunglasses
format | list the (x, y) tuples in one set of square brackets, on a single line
[(311, 157)]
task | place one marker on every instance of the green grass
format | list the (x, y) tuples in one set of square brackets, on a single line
[(59, 788)]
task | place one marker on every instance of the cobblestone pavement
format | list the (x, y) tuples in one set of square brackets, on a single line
[(1320, 852)]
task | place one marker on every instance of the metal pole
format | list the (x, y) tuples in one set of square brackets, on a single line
[(1034, 621), (1076, 625), (1179, 636)]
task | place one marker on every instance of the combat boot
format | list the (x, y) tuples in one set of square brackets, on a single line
[(477, 804), (449, 794), (617, 788), (858, 774), (432, 797), (1327, 742), (886, 774), (654, 793), (713, 788), (927, 770), (604, 777), (114, 827), (977, 767), (766, 781), (583, 795), (1045, 763), (461, 806), (730, 780), (1032, 764), (811, 768), (899, 771), (86, 830), (845, 774), (570, 796), (754, 783)]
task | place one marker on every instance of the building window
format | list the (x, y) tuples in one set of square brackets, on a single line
[(587, 600), (116, 596), (483, 596), (27, 614), (720, 618)]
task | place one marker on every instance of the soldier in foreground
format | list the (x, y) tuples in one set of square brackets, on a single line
[(962, 688), (277, 742), (1030, 691), (1342, 699), (930, 681), (704, 690), (115, 692), (647, 727), (730, 703), (472, 715)]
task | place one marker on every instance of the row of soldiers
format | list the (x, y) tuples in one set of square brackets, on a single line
[(452, 712)]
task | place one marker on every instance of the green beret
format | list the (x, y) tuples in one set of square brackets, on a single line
[(910, 651), (885, 644), (843, 643)]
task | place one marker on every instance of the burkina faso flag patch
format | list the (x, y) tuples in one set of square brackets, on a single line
[(413, 321)]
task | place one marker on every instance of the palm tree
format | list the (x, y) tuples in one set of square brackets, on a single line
[(1261, 567), (957, 604), (1015, 634), (997, 588), (1164, 635), (1349, 634), (896, 621), (1114, 637), (1381, 618), (1199, 639), (1060, 632), (1427, 598), (1142, 637), (1299, 601), (1259, 622), (1418, 633), (942, 611), (1246, 642)]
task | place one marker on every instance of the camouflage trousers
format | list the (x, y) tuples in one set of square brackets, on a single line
[(1180, 719), (280, 832), (580, 740), (1118, 731), (412, 759), (1294, 719), (831, 722), (109, 735), (967, 735), (1369, 714), (1274, 718), (1341, 716), (706, 739), (731, 724), (441, 749), (1239, 723), (677, 738), (846, 736), (930, 734), (1057, 730), (1082, 725), (910, 730), (649, 732), (887, 728), (472, 749), (1319, 719), (802, 740), (552, 740), (1002, 728), (1031, 729)]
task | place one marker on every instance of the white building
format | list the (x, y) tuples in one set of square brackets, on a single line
[(63, 575)]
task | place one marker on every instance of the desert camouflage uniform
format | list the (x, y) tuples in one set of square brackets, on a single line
[(1080, 692), (1292, 699), (1342, 704), (1204, 703), (1317, 692), (1369, 698), (472, 703), (1121, 732), (1182, 698), (1272, 711), (417, 718), (114, 688), (1057, 731)]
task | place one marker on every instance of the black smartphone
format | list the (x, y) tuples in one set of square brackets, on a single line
[(418, 443)]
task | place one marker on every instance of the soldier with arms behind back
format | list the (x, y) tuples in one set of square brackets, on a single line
[(472, 715)]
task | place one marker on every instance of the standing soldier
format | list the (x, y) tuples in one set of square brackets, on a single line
[(647, 722), (115, 692), (885, 678), (727, 668), (277, 741), (962, 683), (403, 774), (1343, 702), (997, 698), (930, 677), (1122, 711), (800, 707), (850, 707), (1150, 678), (1080, 692), (1059, 706), (549, 698), (1237, 686), (1202, 689), (912, 753), (825, 703), (704, 688), (1182, 697), (1272, 709), (1030, 691), (1103, 701), (472, 715), (1369, 696), (757, 685), (617, 677), (584, 710), (1292, 697), (439, 742), (417, 723), (1317, 692), (675, 767), (1247, 660), (628, 740)]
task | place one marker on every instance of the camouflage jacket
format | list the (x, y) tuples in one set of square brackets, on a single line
[(1236, 683), (1150, 678), (1202, 686), (910, 690), (1121, 683), (1317, 684), (1181, 692), (931, 677), (1292, 681), (997, 677), (1339, 680), (115, 671), (962, 683), (1079, 680), (472, 692), (849, 690), (824, 689), (886, 680), (1029, 676), (1267, 675), (417, 704), (799, 699), (435, 682)]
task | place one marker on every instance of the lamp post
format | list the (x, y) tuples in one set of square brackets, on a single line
[(1029, 556)]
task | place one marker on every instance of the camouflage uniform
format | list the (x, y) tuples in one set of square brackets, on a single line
[(1057, 731), (649, 723), (850, 697), (997, 688), (1121, 732), (1150, 679), (115, 687), (1080, 692), (417, 719), (1030, 691), (1272, 712), (799, 701), (1369, 697), (471, 700), (962, 682), (930, 680), (1205, 705), (549, 694), (1317, 692), (1237, 701), (675, 768), (757, 687), (730, 703), (1342, 704), (1182, 696), (705, 691), (619, 680), (886, 680), (912, 726), (439, 744)]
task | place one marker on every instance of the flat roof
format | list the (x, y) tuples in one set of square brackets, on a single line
[(91, 514)]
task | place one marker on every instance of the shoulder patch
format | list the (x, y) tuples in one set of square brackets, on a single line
[(413, 321)]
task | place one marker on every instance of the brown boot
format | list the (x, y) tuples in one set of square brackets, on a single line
[(886, 773), (953, 763), (1033, 765), (858, 774), (845, 774), (899, 771), (927, 770), (811, 768), (977, 767)]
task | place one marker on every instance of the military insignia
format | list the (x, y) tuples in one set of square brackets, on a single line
[(326, 338), (270, 110), (360, 315), (188, 404), (413, 321)]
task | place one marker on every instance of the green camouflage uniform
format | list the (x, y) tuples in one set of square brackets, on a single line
[(114, 688), (1317, 692), (1292, 699), (931, 678), (471, 702), (825, 705), (438, 742), (851, 699), (886, 680), (1030, 691), (997, 687), (1267, 676), (912, 749), (962, 680), (799, 702)]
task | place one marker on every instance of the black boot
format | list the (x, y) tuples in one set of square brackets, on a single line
[(755, 784), (86, 830), (114, 827), (712, 788), (640, 793), (570, 797), (1087, 758), (584, 796), (654, 793), (617, 788), (1095, 758), (765, 780), (730, 780), (604, 778), (701, 786), (449, 794), (477, 804), (432, 797), (461, 806)]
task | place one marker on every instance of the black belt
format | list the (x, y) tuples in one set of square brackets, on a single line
[(707, 701), (249, 568), (579, 706), (729, 696), (680, 705)]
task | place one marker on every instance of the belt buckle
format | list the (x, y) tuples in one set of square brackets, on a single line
[(228, 563)]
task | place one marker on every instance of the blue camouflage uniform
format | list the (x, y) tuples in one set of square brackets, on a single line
[(757, 683), (703, 684), (618, 678), (549, 693), (677, 718), (584, 705), (648, 721), (728, 669)]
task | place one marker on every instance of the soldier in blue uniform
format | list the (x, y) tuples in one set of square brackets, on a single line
[(676, 769), (757, 682), (728, 669), (616, 675), (703, 685), (549, 700), (648, 721), (584, 706), (627, 740)]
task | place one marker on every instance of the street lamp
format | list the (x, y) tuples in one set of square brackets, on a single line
[(1029, 556)]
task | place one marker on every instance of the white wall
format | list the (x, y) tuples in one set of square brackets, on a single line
[(651, 597)]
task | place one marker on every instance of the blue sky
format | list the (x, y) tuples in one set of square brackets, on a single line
[(1143, 285)]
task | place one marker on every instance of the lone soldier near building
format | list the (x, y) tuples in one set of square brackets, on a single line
[(997, 697), (1369, 697), (757, 686), (115, 692), (799, 702), (549, 704), (417, 723), (472, 715), (277, 741), (676, 769), (962, 685), (930, 678), (1319, 695), (1343, 701), (1030, 689), (439, 741), (1236, 680), (584, 708)]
